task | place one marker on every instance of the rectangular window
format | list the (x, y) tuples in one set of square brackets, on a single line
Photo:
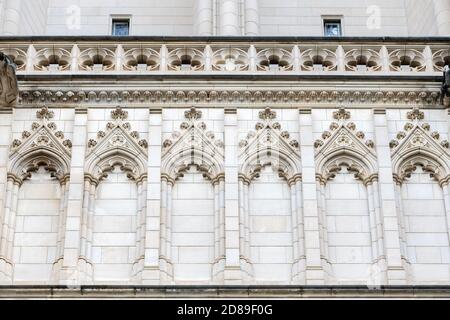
[(332, 28), (121, 27)]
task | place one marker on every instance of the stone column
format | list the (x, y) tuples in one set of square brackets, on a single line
[(138, 262), (244, 232), (232, 251), (61, 228), (164, 249), (203, 11), (403, 229), (395, 263), (249, 267), (314, 269), (442, 14), (6, 118), (71, 252), (445, 189), (229, 18), (251, 18), (323, 227), (151, 272), (376, 233), (373, 224), (219, 230), (298, 266), (170, 186), (12, 221), (11, 26), (89, 271), (6, 265), (216, 266), (381, 258), (87, 204)]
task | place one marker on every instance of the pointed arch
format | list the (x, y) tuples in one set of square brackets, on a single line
[(117, 147), (341, 152), (422, 174), (42, 147), (269, 146), (419, 147), (344, 147), (270, 203), (44, 191), (192, 147), (283, 163), (120, 147), (203, 211)]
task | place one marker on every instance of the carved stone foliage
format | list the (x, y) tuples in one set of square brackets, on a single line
[(419, 145), (316, 96), (193, 145), (269, 145), (43, 144), (117, 145), (342, 134), (45, 113), (342, 145)]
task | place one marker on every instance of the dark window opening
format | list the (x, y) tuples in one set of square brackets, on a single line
[(121, 27)]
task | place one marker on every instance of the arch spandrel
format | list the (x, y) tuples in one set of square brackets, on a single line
[(344, 145), (193, 146), (271, 146), (117, 146), (417, 145), (42, 146)]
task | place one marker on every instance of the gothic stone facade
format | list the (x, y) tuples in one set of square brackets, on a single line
[(149, 161)]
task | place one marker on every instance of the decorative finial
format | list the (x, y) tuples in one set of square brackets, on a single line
[(193, 114), (341, 114), (119, 113), (45, 113), (415, 114), (267, 114)]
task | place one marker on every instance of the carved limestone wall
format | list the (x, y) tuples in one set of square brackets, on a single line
[(153, 196)]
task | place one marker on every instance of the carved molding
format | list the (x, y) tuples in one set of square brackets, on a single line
[(117, 145), (343, 145), (288, 56), (416, 145), (353, 165), (43, 145), (325, 96), (269, 145), (192, 146)]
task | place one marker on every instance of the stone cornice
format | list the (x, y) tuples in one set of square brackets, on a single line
[(251, 96), (234, 39)]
